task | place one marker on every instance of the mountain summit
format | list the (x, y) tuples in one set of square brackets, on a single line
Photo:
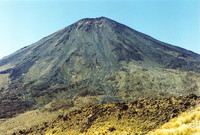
[(95, 57)]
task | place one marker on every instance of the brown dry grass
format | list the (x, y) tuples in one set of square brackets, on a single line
[(25, 120), (188, 123)]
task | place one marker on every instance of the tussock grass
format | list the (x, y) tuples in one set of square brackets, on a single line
[(188, 123), (26, 120)]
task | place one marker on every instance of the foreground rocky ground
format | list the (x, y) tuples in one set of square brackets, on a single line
[(138, 117)]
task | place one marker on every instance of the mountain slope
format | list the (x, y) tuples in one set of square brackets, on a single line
[(95, 57), (138, 117)]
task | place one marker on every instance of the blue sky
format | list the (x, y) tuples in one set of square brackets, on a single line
[(23, 22)]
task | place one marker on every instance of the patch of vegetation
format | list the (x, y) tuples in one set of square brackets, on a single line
[(12, 105), (187, 123), (138, 117)]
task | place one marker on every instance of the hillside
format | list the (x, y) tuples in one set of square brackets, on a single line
[(96, 57), (98, 76), (128, 118)]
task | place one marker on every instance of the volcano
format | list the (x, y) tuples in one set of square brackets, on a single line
[(96, 57)]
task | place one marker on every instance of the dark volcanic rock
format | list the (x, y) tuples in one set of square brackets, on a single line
[(81, 59)]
